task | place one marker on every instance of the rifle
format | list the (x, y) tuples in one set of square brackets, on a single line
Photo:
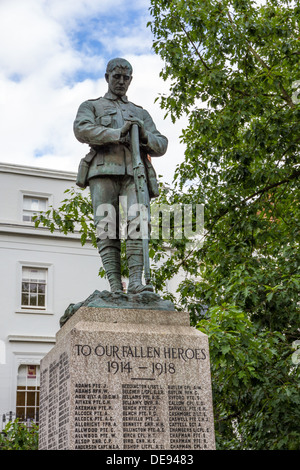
[(141, 186)]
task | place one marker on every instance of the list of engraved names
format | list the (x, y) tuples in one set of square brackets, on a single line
[(142, 397)]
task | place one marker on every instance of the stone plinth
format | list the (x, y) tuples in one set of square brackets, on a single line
[(128, 380)]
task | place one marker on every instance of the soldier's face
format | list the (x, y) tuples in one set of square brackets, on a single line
[(119, 80)]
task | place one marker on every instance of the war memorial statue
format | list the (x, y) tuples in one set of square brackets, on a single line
[(127, 371), (122, 136)]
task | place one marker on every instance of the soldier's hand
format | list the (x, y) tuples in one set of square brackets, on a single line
[(126, 128), (140, 123), (142, 132)]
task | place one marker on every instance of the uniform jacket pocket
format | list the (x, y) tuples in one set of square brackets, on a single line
[(106, 118)]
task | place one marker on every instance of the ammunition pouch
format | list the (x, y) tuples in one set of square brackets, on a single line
[(83, 169)]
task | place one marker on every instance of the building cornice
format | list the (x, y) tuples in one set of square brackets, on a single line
[(36, 171), (31, 339), (22, 229)]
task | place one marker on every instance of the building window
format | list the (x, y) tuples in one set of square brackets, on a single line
[(34, 288), (32, 206), (28, 393)]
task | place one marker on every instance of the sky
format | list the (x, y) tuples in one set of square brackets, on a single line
[(53, 56)]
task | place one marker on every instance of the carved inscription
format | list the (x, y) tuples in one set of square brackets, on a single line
[(188, 418), (156, 412), (142, 398), (95, 416), (55, 404), (44, 406), (157, 361), (63, 400), (143, 427)]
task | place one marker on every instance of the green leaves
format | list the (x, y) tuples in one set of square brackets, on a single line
[(16, 436), (233, 65), (254, 382)]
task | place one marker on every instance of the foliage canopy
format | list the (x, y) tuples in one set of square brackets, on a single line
[(233, 68)]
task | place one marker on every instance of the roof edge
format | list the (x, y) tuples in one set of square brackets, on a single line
[(37, 171)]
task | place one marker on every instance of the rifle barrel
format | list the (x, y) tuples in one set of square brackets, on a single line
[(143, 199)]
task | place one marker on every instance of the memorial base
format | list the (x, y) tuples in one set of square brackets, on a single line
[(122, 379)]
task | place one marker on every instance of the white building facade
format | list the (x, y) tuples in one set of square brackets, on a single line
[(41, 274)]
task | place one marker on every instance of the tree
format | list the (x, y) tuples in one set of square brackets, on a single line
[(233, 67)]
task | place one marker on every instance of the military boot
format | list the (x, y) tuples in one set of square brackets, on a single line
[(134, 252), (111, 259)]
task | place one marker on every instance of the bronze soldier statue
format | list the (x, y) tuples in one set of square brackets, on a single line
[(106, 124)]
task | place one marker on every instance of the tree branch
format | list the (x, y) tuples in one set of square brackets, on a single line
[(294, 175), (194, 46)]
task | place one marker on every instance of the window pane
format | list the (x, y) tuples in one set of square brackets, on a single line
[(20, 413), (26, 217), (33, 288), (30, 413), (34, 204), (34, 274), (41, 300), (30, 398), (27, 202), (20, 398), (25, 299), (33, 299), (25, 287), (41, 288), (42, 204)]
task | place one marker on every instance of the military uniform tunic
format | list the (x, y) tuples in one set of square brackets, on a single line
[(98, 123), (110, 174)]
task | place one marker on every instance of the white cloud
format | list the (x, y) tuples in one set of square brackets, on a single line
[(30, 37), (40, 90), (73, 9)]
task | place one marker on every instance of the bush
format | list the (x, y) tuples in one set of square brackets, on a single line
[(16, 436)]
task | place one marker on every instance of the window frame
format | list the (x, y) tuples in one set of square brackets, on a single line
[(48, 308), (34, 195), (29, 212), (35, 294), (29, 390)]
